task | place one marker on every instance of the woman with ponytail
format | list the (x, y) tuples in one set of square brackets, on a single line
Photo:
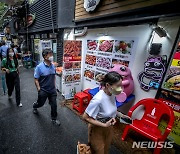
[(10, 66), (101, 113)]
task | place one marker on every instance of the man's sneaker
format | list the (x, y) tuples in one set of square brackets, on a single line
[(56, 122), (9, 97), (20, 105), (35, 111)]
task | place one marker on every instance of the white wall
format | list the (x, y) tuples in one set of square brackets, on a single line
[(143, 33)]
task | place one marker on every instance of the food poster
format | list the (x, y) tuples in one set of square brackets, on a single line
[(36, 45), (102, 54), (71, 68), (44, 44), (172, 79)]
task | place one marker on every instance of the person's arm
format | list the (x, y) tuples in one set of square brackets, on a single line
[(37, 84), (89, 119), (36, 77), (3, 66)]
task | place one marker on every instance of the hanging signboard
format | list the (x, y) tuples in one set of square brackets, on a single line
[(30, 19), (71, 77), (102, 54), (90, 5)]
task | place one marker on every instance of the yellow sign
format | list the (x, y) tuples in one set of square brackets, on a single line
[(175, 132), (175, 62)]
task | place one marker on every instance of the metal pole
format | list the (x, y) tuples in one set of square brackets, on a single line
[(51, 16)]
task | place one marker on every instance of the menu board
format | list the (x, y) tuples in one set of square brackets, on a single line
[(172, 79), (102, 54), (71, 68)]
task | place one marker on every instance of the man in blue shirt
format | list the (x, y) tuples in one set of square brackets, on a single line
[(3, 49), (45, 83)]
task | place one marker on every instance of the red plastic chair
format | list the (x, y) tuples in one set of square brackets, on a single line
[(86, 91), (148, 125), (80, 102)]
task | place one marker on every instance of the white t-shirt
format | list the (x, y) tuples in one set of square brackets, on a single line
[(102, 106)]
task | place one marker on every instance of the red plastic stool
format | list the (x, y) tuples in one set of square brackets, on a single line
[(80, 102), (89, 95)]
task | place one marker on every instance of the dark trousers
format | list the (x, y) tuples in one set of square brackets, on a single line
[(12, 80), (42, 97)]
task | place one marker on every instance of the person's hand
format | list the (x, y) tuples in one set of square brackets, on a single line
[(38, 89), (111, 122)]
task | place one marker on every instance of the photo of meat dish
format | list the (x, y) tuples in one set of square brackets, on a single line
[(69, 78), (123, 47), (91, 60), (77, 77), (92, 44), (106, 45), (103, 62), (68, 65), (72, 48), (76, 65), (89, 74)]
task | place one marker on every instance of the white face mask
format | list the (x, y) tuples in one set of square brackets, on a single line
[(11, 54), (51, 59)]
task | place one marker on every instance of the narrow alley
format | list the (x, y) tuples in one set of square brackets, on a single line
[(23, 132)]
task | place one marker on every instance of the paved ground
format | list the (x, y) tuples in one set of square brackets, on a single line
[(22, 132)]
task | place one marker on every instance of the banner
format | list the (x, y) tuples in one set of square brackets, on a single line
[(102, 54), (71, 68), (36, 45)]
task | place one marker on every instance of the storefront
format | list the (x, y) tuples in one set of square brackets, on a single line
[(144, 43), (42, 30)]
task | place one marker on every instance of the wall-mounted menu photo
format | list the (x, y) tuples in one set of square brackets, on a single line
[(106, 45), (72, 50), (77, 77), (89, 74), (123, 46), (103, 62), (91, 60), (69, 78), (122, 62), (92, 45), (76, 65), (68, 65)]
